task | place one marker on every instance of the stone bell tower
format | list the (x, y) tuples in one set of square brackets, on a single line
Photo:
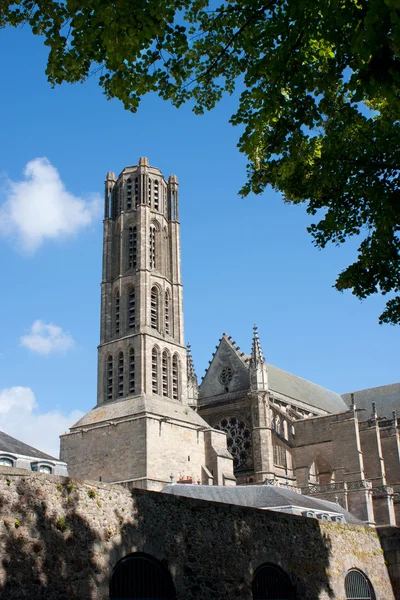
[(141, 340), (144, 428)]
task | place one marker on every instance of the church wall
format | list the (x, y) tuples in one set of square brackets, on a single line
[(61, 538)]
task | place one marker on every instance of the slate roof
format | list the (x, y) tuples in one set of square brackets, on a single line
[(256, 496), (386, 398), (13, 446), (138, 405)]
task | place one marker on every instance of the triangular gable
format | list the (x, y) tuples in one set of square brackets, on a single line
[(227, 356)]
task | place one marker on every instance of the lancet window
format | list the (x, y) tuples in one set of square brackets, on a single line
[(128, 194), (152, 247), (136, 191), (165, 373), (167, 303), (156, 196), (175, 377), (280, 458), (154, 371), (117, 312), (109, 378), (131, 371), (154, 308), (132, 247), (149, 193), (131, 308), (120, 374)]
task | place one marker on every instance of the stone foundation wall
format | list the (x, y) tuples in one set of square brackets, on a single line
[(61, 538)]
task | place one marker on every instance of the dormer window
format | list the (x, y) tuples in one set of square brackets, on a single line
[(6, 462), (39, 467)]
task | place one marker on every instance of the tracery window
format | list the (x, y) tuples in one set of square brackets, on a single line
[(175, 377), (167, 329), (357, 586), (156, 196), (154, 308), (120, 374), (109, 377), (131, 308), (152, 247), (131, 371), (128, 194), (154, 371), (132, 247), (117, 313), (165, 373), (238, 438), (225, 377)]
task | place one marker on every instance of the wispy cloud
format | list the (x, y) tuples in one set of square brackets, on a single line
[(40, 207), (45, 338), (21, 418)]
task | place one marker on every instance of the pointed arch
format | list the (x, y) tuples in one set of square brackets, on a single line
[(117, 314), (109, 377), (357, 586), (156, 195), (131, 307), (155, 307), (175, 377), (120, 374), (167, 312), (166, 368), (154, 370), (152, 247), (131, 371)]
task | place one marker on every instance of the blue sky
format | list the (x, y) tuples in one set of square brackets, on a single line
[(244, 261)]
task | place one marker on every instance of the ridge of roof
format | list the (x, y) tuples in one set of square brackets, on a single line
[(14, 446)]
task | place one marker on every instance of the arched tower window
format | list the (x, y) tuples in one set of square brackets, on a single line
[(132, 247), (131, 371), (156, 196), (357, 586), (167, 303), (117, 312), (154, 307), (128, 194), (141, 576), (165, 373), (109, 377), (120, 374), (131, 308), (154, 371), (136, 191), (152, 247), (272, 583), (149, 193), (175, 377)]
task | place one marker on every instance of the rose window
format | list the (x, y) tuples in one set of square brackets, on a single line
[(226, 375), (238, 439)]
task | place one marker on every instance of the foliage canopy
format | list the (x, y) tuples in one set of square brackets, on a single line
[(319, 105)]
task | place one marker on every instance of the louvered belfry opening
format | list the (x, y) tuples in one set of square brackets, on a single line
[(140, 576), (357, 586), (272, 583)]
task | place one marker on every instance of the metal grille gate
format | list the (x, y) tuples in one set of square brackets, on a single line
[(271, 583), (140, 576), (357, 586)]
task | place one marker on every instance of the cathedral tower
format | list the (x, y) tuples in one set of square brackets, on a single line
[(141, 340), (144, 428)]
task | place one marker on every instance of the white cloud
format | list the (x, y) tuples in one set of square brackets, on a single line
[(20, 417), (40, 207), (46, 338)]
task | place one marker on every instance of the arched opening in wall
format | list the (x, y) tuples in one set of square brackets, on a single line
[(152, 247), (270, 582), (321, 471), (140, 576), (109, 377), (154, 371), (117, 305), (149, 193), (175, 377), (154, 307), (167, 315), (131, 308), (358, 586), (156, 196), (128, 194), (165, 373), (131, 371), (120, 374), (136, 191), (132, 247)]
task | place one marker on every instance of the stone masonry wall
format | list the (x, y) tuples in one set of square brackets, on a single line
[(61, 538)]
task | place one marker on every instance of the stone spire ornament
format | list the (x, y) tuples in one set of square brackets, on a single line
[(193, 387), (258, 366)]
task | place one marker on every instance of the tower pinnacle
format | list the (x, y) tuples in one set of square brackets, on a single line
[(256, 350), (258, 366)]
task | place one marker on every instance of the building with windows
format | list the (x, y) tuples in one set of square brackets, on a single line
[(16, 454), (143, 428)]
